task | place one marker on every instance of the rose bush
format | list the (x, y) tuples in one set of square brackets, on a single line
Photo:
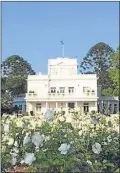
[(61, 142)]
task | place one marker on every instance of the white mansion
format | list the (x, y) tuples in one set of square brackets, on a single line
[(64, 88)]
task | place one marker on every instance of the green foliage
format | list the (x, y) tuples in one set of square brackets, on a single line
[(97, 61), (16, 66), (107, 92), (114, 71), (15, 71), (79, 157), (113, 75)]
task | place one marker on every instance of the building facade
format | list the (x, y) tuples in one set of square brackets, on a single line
[(62, 88)]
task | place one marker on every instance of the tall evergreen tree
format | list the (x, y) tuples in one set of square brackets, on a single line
[(97, 61)]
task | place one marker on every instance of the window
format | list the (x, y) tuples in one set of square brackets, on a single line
[(62, 89), (86, 107), (115, 109), (71, 90), (38, 107), (85, 89), (71, 105), (53, 89), (20, 107), (110, 108)]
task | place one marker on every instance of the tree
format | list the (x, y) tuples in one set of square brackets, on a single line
[(114, 71), (15, 71), (15, 66), (97, 61)]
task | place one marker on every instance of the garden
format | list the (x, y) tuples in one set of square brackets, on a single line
[(62, 142)]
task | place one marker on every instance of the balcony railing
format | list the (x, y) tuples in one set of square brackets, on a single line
[(31, 94), (60, 95), (89, 93)]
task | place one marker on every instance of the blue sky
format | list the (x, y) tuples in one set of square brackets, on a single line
[(33, 30)]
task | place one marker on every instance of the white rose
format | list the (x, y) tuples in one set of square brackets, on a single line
[(37, 139), (10, 141), (5, 115), (5, 138), (13, 154), (13, 117), (47, 138), (64, 148), (109, 138), (14, 160), (89, 162), (15, 150), (61, 119), (19, 123), (29, 158), (26, 140), (16, 144), (6, 128), (96, 148), (80, 132), (104, 143), (69, 119)]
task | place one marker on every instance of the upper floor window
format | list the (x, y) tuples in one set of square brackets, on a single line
[(85, 89), (62, 89), (71, 89), (53, 89)]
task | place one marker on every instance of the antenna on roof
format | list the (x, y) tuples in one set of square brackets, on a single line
[(62, 44)]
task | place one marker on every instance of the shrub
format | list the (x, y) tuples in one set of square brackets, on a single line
[(68, 143)]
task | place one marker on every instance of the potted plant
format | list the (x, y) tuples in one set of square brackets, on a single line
[(88, 92), (93, 92), (31, 91)]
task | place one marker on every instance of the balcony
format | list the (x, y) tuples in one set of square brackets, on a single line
[(90, 93), (60, 97), (31, 94)]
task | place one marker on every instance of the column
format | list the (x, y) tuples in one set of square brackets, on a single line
[(76, 106), (66, 105), (46, 105), (56, 105), (112, 107), (81, 107)]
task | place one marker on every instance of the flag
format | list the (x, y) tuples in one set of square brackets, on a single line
[(61, 42)]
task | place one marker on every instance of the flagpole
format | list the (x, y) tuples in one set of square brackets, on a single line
[(62, 44), (63, 50)]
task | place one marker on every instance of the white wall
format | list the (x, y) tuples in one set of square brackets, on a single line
[(40, 86), (62, 66)]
